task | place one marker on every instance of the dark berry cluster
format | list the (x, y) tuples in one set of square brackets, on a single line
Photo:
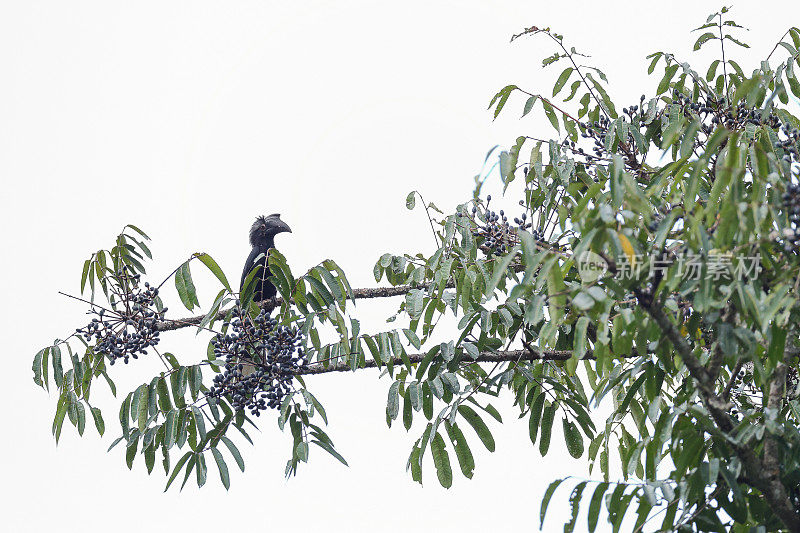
[(131, 327), (598, 131), (261, 361), (739, 117), (498, 234), (789, 144)]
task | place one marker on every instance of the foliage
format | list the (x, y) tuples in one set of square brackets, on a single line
[(653, 274)]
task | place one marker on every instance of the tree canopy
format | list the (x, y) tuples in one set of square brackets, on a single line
[(645, 294)]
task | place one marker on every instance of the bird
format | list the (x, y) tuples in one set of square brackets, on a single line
[(262, 238)]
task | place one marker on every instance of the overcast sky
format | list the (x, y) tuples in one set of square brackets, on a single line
[(190, 118)]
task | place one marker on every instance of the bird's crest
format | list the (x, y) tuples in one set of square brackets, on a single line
[(265, 228)]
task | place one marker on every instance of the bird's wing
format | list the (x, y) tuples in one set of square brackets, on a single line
[(248, 265)]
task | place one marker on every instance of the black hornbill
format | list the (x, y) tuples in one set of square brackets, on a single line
[(262, 238)]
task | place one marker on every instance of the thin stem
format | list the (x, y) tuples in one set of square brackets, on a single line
[(778, 44), (578, 70), (724, 62), (430, 220)]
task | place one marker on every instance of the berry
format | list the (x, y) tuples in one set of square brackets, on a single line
[(131, 327), (261, 361)]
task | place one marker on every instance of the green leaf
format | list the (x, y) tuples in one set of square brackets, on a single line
[(547, 428), (411, 200), (573, 438), (583, 301), (736, 41), (551, 115), (321, 290), (143, 395), (702, 39), (529, 105), (594, 505), (61, 412), (163, 395), (712, 70), (98, 420), (562, 79), (414, 304), (130, 452), (37, 366), (185, 287), (745, 88), (223, 468), (441, 461), (555, 291), (548, 494), (501, 98), (301, 451), (178, 467), (669, 73), (464, 455), (234, 451), (535, 417), (478, 425), (393, 403), (58, 370), (212, 265), (574, 501), (412, 338), (414, 393), (329, 448), (656, 56), (500, 270)]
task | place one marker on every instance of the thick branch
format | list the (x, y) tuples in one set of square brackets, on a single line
[(772, 464), (484, 357), (768, 483), (269, 305)]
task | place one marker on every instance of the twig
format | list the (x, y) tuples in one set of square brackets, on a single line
[(726, 394)]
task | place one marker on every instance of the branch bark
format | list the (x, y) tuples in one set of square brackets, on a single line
[(484, 357), (269, 305), (762, 474)]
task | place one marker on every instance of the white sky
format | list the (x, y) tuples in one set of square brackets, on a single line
[(188, 119)]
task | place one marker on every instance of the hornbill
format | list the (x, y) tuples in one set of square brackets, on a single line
[(262, 238)]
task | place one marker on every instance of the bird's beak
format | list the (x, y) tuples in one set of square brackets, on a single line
[(284, 227)]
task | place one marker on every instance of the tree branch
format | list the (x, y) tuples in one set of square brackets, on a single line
[(766, 481), (726, 394), (485, 357), (269, 305)]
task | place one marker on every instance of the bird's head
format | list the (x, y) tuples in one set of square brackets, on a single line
[(265, 228)]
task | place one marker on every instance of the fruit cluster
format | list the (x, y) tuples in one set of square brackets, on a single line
[(599, 130), (261, 361), (742, 116), (498, 234), (789, 144), (131, 327)]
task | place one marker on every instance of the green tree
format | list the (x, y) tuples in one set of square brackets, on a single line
[(652, 275)]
